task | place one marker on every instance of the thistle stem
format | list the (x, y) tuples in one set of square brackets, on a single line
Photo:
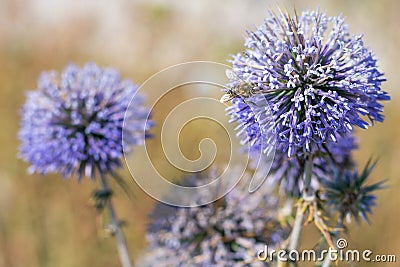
[(296, 231), (119, 236), (327, 262), (307, 177), (307, 195)]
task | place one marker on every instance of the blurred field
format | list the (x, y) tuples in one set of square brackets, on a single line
[(46, 221)]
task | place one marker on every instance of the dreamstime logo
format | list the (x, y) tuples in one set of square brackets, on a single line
[(341, 253), (194, 76)]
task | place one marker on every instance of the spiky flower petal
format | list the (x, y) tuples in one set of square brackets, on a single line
[(73, 122)]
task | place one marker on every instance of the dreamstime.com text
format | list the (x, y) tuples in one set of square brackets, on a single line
[(339, 254)]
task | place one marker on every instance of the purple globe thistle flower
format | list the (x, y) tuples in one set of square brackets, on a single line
[(318, 80), (72, 124), (347, 193), (228, 232)]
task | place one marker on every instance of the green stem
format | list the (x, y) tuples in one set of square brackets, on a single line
[(119, 236)]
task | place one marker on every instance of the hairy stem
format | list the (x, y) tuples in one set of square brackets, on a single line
[(119, 236)]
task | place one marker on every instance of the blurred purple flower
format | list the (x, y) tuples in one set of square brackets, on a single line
[(228, 232), (318, 80), (73, 123)]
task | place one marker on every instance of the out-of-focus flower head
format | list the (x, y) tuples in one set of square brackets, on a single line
[(348, 194), (318, 80), (73, 123), (228, 232)]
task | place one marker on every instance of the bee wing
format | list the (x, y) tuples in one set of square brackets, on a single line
[(225, 98), (259, 106)]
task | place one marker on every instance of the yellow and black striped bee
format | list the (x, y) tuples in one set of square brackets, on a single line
[(243, 88)]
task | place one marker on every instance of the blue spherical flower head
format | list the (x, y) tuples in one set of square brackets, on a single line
[(318, 80), (73, 123), (348, 194)]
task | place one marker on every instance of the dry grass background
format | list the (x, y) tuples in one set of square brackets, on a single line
[(46, 221)]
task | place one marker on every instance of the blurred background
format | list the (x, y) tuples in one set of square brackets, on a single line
[(47, 221)]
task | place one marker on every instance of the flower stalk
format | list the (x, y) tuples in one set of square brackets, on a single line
[(116, 228)]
